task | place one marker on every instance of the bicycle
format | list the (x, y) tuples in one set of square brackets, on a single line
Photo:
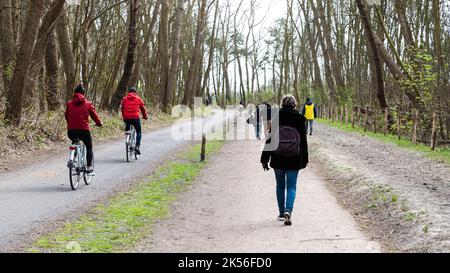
[(130, 144), (78, 165)]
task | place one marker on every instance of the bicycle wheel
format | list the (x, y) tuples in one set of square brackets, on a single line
[(87, 178), (132, 143), (127, 149), (136, 157), (74, 176)]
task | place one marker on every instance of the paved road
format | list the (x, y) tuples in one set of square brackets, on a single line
[(41, 193)]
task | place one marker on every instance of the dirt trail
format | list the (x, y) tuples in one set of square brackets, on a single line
[(365, 169), (232, 208)]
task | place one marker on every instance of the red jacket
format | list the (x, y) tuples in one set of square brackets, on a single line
[(132, 106), (78, 111)]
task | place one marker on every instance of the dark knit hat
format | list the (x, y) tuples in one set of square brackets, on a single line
[(80, 89), (132, 90)]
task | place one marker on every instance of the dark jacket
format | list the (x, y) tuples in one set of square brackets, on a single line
[(289, 117), (78, 111)]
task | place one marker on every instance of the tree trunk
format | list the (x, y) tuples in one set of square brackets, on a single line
[(326, 59), (39, 51), (396, 70), (67, 56), (144, 46), (6, 41), (212, 47), (172, 79), (400, 8), (189, 91), (129, 63), (326, 30), (312, 45), (164, 52), (15, 92), (51, 64), (114, 74), (376, 60)]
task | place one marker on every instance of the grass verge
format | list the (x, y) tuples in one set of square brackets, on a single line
[(128, 217), (440, 154)]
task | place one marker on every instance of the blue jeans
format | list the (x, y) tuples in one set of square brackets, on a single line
[(310, 124), (286, 189), (258, 130)]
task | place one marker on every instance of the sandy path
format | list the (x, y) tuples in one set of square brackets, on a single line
[(232, 208)]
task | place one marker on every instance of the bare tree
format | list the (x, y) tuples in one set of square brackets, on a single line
[(15, 92), (129, 63)]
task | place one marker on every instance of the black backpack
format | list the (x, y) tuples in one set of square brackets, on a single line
[(289, 142)]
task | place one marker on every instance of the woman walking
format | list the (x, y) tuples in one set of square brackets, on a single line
[(290, 156)]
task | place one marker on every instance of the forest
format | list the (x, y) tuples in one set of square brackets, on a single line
[(392, 57)]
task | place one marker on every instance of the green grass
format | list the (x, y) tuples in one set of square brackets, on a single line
[(128, 217), (409, 217), (439, 154), (381, 196)]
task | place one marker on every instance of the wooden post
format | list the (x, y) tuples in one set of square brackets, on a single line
[(337, 114), (359, 116), (434, 131), (332, 113), (414, 131), (203, 152), (366, 119), (346, 114), (399, 122), (224, 129), (386, 120), (375, 121), (353, 117)]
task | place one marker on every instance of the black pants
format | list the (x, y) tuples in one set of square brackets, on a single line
[(85, 136), (137, 126)]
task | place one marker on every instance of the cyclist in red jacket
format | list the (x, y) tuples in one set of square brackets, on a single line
[(132, 107), (78, 111)]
